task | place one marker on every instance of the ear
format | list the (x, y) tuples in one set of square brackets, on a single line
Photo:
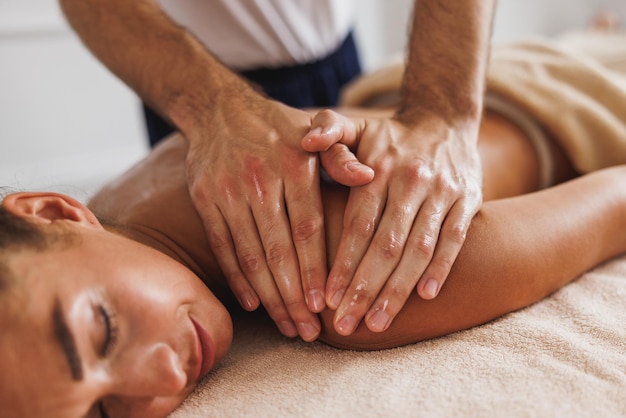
[(47, 207)]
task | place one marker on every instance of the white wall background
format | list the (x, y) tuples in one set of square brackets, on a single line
[(67, 124), (382, 25)]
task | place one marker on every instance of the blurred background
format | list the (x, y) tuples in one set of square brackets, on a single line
[(67, 124)]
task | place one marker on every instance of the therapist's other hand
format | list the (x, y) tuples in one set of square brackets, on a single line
[(406, 227), (258, 195)]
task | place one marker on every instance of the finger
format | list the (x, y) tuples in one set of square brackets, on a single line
[(222, 246), (306, 217), (281, 258), (363, 209), (328, 128), (343, 166), (418, 253), (251, 259), (390, 301), (452, 237), (383, 255), (234, 239)]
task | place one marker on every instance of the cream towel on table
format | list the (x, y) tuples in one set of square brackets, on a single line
[(564, 356)]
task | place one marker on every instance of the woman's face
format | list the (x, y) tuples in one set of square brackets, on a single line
[(105, 322)]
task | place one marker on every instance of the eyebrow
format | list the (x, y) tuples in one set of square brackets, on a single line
[(66, 340)]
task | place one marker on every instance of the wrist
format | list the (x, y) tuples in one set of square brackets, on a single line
[(466, 118), (206, 105), (455, 107)]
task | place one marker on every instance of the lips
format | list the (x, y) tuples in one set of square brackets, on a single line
[(205, 350)]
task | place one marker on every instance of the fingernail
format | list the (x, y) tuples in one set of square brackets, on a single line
[(431, 287), (357, 166), (315, 300), (308, 331), (346, 325), (248, 301), (379, 321), (337, 297), (315, 131), (288, 328)]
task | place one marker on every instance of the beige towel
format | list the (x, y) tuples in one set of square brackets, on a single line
[(577, 98), (562, 357)]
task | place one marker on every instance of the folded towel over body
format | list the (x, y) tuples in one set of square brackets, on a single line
[(573, 86)]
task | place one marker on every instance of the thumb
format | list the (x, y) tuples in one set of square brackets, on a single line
[(343, 166), (328, 128)]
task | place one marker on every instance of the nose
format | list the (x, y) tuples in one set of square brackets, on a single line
[(155, 371)]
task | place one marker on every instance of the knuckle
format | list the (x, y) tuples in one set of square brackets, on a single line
[(442, 265), (418, 174), (293, 302), (219, 243), (457, 232), (338, 152), (361, 295), (378, 165), (445, 184), (275, 253), (401, 211), (425, 245), (434, 217), (362, 227), (368, 199), (389, 246), (341, 274), (473, 189), (326, 113), (397, 292), (306, 230), (199, 192), (196, 191), (312, 276), (249, 261)]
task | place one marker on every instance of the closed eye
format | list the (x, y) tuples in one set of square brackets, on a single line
[(111, 330)]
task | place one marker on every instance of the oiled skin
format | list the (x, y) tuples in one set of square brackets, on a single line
[(518, 250)]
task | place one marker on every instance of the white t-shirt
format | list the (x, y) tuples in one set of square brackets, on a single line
[(247, 34)]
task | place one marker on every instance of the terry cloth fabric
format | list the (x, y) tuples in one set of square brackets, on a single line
[(574, 87), (579, 97), (561, 357)]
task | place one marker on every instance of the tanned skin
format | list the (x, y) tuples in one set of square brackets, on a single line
[(256, 187), (523, 244)]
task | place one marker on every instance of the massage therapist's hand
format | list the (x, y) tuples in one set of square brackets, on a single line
[(255, 189), (407, 226), (258, 195)]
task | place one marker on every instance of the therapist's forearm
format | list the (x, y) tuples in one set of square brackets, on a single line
[(166, 66), (448, 53)]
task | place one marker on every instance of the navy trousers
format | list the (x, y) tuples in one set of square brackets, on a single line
[(315, 84)]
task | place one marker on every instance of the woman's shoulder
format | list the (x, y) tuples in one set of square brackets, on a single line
[(155, 177)]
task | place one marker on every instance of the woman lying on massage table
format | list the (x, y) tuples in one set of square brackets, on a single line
[(119, 308)]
